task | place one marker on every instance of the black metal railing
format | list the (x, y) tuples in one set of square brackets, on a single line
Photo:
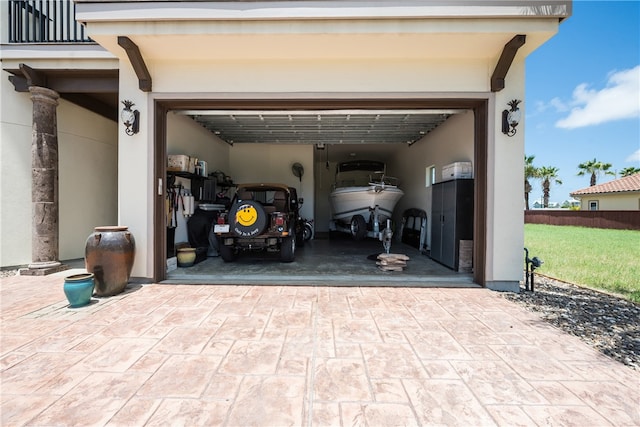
[(44, 21)]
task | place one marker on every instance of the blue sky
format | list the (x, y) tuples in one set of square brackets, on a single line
[(583, 94)]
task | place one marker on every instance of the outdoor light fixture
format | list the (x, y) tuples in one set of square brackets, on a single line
[(511, 118), (130, 118), (530, 266)]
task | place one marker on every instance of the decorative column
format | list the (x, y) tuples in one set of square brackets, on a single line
[(44, 184)]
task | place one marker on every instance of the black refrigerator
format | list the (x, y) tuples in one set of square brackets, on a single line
[(451, 219)]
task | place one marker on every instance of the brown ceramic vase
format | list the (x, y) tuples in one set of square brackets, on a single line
[(109, 255)]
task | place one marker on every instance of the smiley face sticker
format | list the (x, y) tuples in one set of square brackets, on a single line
[(246, 215)]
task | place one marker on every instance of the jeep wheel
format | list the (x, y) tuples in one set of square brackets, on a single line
[(358, 227), (228, 253), (247, 218), (300, 238), (288, 249)]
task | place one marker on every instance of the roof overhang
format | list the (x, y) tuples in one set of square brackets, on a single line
[(106, 10), (316, 30)]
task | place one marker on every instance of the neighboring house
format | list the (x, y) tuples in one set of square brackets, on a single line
[(618, 195), (250, 87)]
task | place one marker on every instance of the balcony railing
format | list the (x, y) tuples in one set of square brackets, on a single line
[(44, 21)]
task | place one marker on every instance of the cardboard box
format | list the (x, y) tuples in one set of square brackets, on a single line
[(457, 170), (465, 256), (178, 163), (172, 263)]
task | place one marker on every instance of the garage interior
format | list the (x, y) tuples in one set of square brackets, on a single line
[(327, 136)]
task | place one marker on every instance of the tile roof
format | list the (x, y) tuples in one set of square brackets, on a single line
[(628, 183)]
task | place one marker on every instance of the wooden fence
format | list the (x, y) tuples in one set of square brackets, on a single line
[(621, 220)]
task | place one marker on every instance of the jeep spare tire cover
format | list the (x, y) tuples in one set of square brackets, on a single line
[(247, 218)]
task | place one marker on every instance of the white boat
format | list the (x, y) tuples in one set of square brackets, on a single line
[(363, 197)]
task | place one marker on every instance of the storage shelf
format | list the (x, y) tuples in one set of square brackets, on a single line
[(183, 174)]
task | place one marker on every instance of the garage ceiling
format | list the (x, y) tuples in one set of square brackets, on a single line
[(321, 127)]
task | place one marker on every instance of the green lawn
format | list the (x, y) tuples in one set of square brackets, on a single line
[(602, 259)]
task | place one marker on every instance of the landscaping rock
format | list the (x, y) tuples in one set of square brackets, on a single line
[(606, 322)]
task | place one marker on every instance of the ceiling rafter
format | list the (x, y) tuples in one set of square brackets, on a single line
[(321, 127)]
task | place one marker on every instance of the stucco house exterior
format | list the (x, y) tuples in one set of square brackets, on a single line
[(187, 64), (621, 194)]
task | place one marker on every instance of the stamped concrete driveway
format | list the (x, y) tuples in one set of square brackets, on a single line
[(211, 355)]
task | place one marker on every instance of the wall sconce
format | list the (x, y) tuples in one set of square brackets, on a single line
[(511, 118), (130, 118)]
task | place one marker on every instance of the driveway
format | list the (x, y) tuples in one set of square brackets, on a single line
[(203, 355)]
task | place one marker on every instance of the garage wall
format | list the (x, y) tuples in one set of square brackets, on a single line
[(184, 136), (272, 163), (453, 141)]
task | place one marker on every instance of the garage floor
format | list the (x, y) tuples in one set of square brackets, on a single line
[(336, 261)]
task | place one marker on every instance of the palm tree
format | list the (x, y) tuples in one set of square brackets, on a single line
[(631, 170), (548, 174), (594, 168), (530, 172)]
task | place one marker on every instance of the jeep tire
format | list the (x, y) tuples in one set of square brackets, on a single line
[(256, 224), (228, 253), (288, 249)]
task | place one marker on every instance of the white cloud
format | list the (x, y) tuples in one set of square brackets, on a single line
[(620, 99), (559, 105), (633, 157)]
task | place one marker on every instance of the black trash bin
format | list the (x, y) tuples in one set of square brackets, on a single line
[(199, 228)]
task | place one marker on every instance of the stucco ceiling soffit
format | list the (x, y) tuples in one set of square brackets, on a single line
[(64, 80), (504, 63), (137, 62), (95, 90)]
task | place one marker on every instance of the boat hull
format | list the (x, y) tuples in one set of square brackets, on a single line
[(346, 202)]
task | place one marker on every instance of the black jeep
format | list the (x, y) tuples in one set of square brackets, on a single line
[(261, 217)]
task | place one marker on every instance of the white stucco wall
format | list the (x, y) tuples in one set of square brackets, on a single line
[(87, 172), (451, 142), (505, 216), (136, 184), (272, 163), (15, 175)]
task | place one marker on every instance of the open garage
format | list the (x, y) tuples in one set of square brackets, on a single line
[(415, 138)]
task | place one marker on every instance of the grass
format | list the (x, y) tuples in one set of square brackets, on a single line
[(598, 258)]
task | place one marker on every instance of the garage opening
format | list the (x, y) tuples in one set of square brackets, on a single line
[(300, 144)]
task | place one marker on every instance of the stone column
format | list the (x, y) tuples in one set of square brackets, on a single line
[(44, 183)]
